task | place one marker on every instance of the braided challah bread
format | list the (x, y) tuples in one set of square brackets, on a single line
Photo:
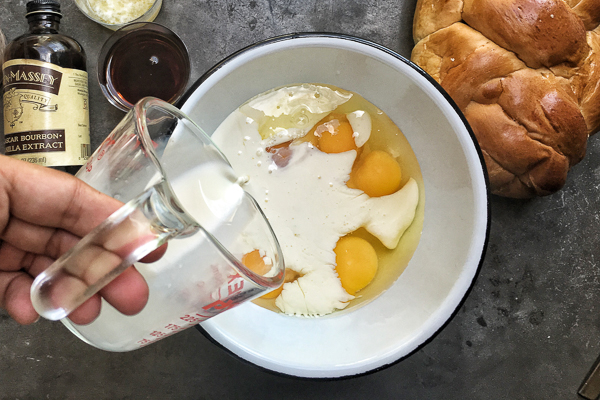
[(526, 74)]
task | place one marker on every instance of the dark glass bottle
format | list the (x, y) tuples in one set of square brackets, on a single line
[(46, 93)]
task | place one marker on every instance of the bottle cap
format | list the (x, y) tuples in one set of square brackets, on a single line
[(43, 7)]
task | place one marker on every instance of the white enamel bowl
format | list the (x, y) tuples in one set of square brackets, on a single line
[(456, 224)]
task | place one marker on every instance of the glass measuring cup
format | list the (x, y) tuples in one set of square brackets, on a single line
[(179, 189)]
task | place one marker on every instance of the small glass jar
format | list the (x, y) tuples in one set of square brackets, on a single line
[(143, 59), (93, 9)]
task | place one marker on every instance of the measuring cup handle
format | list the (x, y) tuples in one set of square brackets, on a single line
[(128, 235)]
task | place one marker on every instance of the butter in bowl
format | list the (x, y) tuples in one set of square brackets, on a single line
[(114, 14)]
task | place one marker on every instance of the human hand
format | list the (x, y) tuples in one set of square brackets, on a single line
[(43, 213)]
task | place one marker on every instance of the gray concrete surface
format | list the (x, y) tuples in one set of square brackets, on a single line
[(528, 330)]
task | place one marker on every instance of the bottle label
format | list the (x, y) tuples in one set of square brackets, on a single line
[(46, 113)]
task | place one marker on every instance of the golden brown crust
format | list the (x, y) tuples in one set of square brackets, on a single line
[(433, 15), (588, 11), (542, 33), (585, 82), (526, 74)]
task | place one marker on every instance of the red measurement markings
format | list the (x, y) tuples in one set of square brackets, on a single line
[(190, 318), (194, 318), (235, 285), (219, 305), (105, 145), (138, 144), (173, 327), (100, 152)]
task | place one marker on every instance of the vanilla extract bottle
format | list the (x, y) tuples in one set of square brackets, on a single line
[(45, 92)]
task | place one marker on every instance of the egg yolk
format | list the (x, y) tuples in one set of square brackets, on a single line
[(290, 276), (356, 263), (333, 134), (339, 141), (256, 263), (377, 174)]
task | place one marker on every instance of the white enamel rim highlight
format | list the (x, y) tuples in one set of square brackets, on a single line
[(261, 337)]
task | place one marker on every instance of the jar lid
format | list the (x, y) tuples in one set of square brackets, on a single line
[(43, 7)]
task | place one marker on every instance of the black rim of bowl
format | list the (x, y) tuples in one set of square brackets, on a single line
[(434, 83)]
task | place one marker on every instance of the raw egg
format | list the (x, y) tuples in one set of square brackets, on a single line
[(255, 262), (334, 134), (298, 146), (356, 263), (377, 174)]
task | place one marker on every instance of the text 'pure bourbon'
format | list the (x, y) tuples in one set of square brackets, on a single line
[(45, 92)]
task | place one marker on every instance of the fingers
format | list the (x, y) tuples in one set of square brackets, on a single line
[(29, 238), (87, 312), (36, 239), (51, 198), (43, 213), (14, 297), (15, 282), (128, 292), (11, 258)]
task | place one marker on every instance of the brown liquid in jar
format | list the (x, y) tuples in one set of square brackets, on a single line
[(146, 64)]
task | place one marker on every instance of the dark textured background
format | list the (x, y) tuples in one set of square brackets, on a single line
[(528, 330)]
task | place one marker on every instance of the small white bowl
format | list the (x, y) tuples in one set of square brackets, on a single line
[(149, 16), (456, 225)]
